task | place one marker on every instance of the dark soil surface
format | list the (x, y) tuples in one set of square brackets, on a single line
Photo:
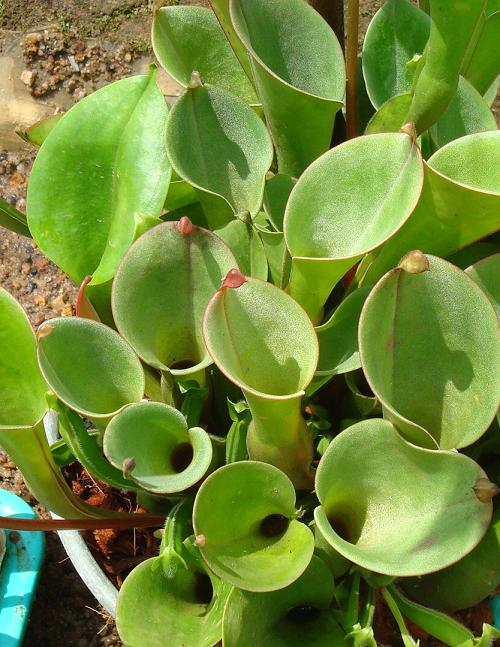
[(117, 551), (53, 53)]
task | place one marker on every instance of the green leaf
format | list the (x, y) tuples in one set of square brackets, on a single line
[(29, 450), (244, 241), (453, 30), (178, 527), (263, 341), (165, 456), (338, 337), (408, 326), (86, 450), (466, 114), (184, 609), (236, 441), (462, 161), (277, 255), (24, 404), (219, 145), (364, 107), (114, 170), (491, 93), (486, 273), (470, 255), (276, 194), (433, 622), (481, 68), (21, 384), (460, 204), (374, 183), (299, 74), (89, 366), (252, 540), (190, 38), (12, 219), (360, 401), (221, 10), (488, 637), (194, 398), (362, 636), (61, 453), (390, 116), (38, 132), (397, 525), (161, 319), (397, 33), (337, 563), (464, 584), (99, 297), (180, 194), (193, 211), (296, 615)]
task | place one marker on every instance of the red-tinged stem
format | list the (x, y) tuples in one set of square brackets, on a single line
[(351, 61), (84, 307), (81, 296), (134, 521)]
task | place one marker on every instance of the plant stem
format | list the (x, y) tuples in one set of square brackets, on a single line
[(369, 609), (278, 434), (333, 12), (352, 612), (398, 617), (351, 61)]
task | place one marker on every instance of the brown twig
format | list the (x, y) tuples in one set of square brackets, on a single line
[(351, 62), (116, 523)]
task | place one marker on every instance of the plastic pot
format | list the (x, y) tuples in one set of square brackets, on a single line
[(19, 572)]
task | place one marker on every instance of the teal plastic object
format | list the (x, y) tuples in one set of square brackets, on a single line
[(19, 571), (495, 603)]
